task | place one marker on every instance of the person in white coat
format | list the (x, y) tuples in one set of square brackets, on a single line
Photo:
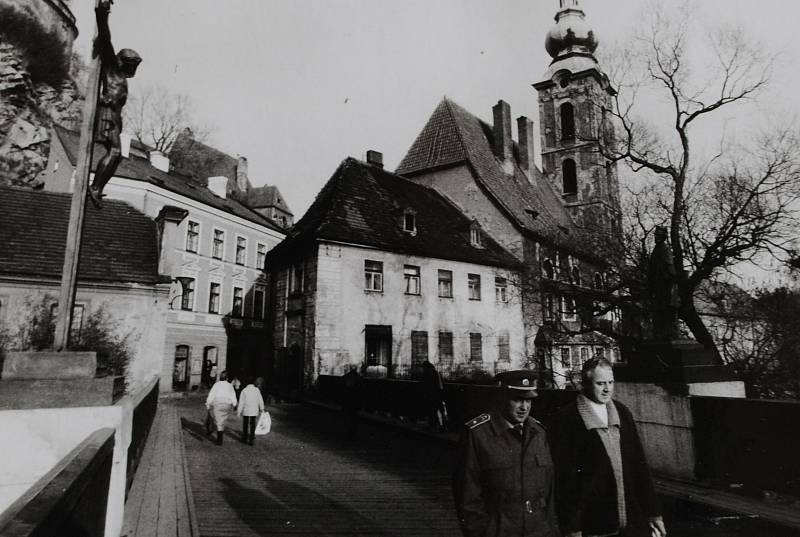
[(220, 402), (251, 405)]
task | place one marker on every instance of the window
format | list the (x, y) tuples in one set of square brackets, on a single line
[(503, 354), (419, 347), (192, 236), (218, 247), (584, 356), (475, 236), (213, 298), (599, 352), (258, 304), (567, 121), (549, 307), (598, 280), (261, 256), (373, 276), (568, 309), (241, 250), (187, 296), (575, 274), (238, 298), (474, 285), (565, 357), (475, 347), (547, 269), (409, 222), (411, 275), (501, 290), (446, 283), (445, 347), (77, 319), (569, 176), (296, 279)]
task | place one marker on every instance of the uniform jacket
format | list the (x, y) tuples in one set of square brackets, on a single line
[(586, 491), (250, 401), (503, 486)]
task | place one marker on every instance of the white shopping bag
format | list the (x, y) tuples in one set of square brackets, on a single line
[(264, 423)]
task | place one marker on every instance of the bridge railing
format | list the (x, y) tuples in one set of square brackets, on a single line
[(71, 498)]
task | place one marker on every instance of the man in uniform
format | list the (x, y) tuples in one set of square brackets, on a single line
[(115, 70), (503, 483)]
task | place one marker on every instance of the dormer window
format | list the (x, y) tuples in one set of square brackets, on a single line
[(410, 222), (475, 235)]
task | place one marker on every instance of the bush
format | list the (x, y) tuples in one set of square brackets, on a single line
[(36, 332), (44, 52)]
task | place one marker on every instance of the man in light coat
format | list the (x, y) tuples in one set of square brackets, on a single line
[(251, 405), (603, 483), (220, 402)]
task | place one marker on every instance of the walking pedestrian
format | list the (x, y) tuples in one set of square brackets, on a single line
[(503, 484), (351, 400), (604, 487), (251, 405), (433, 396), (220, 403)]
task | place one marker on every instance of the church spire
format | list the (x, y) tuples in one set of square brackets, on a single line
[(571, 37)]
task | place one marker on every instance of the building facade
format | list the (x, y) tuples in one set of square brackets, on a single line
[(118, 275), (215, 256), (384, 274), (561, 222)]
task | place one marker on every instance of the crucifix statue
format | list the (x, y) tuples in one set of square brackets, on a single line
[(109, 97), (115, 70)]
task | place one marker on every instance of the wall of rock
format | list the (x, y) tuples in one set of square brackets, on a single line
[(27, 111)]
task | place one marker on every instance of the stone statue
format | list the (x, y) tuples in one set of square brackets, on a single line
[(662, 280), (115, 70)]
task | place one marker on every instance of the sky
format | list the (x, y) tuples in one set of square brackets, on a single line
[(296, 86)]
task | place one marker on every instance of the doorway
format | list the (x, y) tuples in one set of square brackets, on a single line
[(180, 371), (378, 351)]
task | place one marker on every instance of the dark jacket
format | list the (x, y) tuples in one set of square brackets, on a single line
[(503, 486), (586, 491)]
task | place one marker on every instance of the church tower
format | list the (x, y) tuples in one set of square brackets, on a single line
[(572, 96)]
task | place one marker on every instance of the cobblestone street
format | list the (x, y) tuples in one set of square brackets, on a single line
[(306, 478)]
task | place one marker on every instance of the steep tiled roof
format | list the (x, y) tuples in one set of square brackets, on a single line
[(141, 169), (454, 136), (119, 244), (266, 196), (363, 204)]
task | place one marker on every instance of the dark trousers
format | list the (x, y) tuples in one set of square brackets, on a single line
[(249, 428)]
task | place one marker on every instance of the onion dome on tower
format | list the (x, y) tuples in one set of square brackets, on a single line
[(571, 42)]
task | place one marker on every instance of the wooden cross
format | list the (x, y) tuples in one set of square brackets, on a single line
[(69, 273)]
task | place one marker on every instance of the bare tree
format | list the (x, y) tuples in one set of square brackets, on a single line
[(732, 206), (156, 117)]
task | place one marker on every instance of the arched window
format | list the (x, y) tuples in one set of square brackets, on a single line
[(567, 121), (569, 176), (598, 280)]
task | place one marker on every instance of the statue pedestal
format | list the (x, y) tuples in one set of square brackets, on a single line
[(49, 379), (680, 366)]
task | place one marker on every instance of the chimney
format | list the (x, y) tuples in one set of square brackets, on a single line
[(525, 130), (218, 185), (375, 158), (169, 236), (125, 144), (159, 160), (502, 130), (241, 174)]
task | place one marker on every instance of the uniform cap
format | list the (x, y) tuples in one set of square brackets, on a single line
[(521, 383)]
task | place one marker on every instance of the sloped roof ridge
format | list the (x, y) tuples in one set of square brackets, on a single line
[(545, 184)]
